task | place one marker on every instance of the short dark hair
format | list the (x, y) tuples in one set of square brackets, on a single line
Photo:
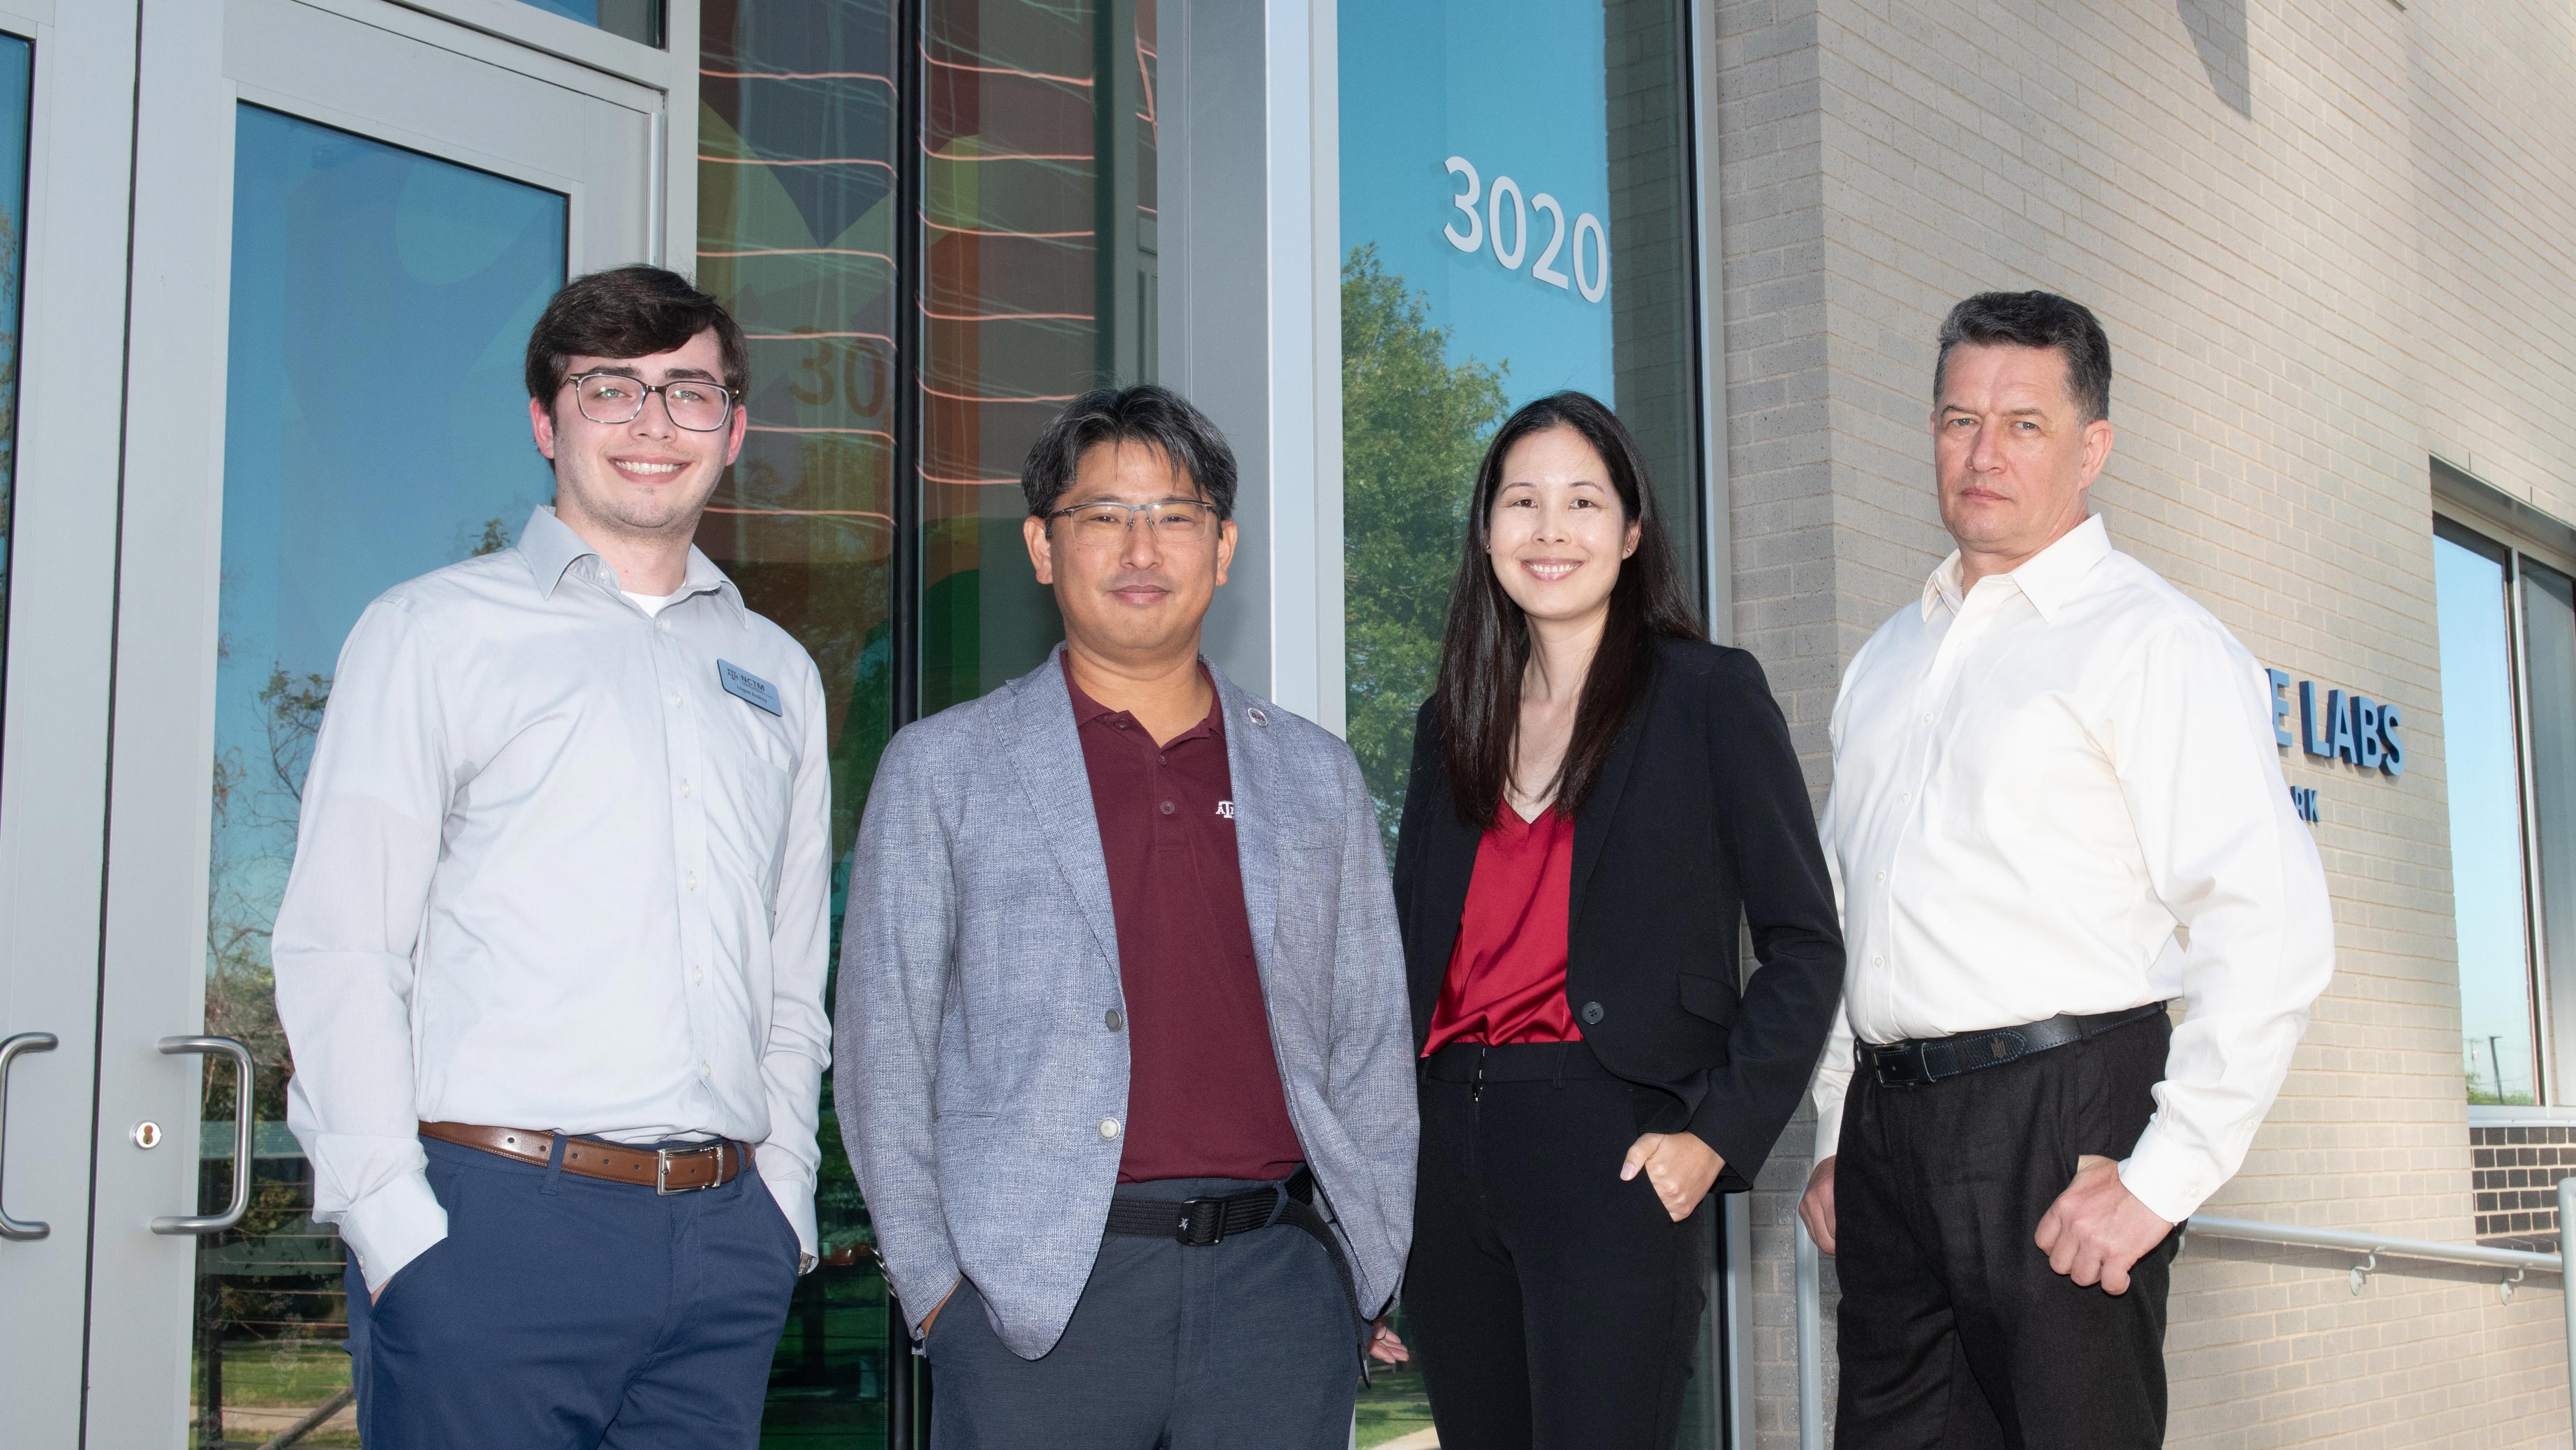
[(629, 312), (2036, 319), (1485, 645), (1154, 416)]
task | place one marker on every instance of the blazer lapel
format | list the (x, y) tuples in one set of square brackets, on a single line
[(1046, 749), (1256, 833), (1592, 827)]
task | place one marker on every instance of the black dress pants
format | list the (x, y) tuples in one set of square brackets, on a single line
[(1551, 1306), (1956, 1334)]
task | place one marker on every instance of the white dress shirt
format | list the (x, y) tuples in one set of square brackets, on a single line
[(552, 874), (2061, 792)]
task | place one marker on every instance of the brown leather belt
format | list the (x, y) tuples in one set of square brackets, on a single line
[(664, 1170)]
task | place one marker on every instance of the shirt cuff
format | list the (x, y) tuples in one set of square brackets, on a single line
[(2167, 1179), (392, 1226), (1829, 1132), (796, 1200)]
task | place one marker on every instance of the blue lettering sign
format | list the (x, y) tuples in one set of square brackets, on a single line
[(2365, 732), (2392, 759), (2280, 705)]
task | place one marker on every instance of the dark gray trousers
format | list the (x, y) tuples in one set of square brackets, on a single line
[(1955, 1333), (1246, 1344)]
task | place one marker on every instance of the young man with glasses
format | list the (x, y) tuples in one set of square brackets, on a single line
[(551, 957), (1127, 1062)]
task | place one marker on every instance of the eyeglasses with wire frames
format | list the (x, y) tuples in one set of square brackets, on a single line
[(693, 403), (1103, 524)]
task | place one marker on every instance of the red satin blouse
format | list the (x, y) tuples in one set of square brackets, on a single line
[(1506, 979)]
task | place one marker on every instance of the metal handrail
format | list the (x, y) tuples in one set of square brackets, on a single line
[(1810, 1290)]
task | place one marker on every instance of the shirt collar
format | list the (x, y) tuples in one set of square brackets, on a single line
[(2048, 579), (552, 548), (1087, 711)]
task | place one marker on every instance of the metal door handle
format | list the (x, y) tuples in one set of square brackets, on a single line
[(12, 1228), (242, 1115)]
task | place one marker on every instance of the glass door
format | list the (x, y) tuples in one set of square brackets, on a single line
[(347, 221)]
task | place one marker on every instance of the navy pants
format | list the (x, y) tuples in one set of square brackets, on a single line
[(1244, 1344), (563, 1312)]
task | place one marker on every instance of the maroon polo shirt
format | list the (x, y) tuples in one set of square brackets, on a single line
[(1203, 1094)]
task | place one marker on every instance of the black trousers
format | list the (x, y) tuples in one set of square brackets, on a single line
[(1551, 1306), (1956, 1335)]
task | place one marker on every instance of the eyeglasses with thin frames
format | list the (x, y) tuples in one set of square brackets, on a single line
[(692, 403), (1104, 524)]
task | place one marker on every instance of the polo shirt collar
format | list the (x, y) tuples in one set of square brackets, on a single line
[(1087, 710)]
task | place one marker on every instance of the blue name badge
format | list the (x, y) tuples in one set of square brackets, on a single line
[(742, 684)]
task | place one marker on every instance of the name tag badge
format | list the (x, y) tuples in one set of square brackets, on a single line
[(743, 685)]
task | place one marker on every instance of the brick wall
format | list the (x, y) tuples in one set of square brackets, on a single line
[(2329, 239)]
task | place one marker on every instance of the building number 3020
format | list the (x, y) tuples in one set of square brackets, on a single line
[(1585, 246)]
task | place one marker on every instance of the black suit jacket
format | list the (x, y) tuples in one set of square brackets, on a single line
[(1700, 822)]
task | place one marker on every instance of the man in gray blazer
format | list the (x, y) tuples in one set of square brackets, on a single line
[(1125, 1059)]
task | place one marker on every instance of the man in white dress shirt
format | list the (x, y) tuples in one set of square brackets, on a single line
[(551, 956), (2057, 805)]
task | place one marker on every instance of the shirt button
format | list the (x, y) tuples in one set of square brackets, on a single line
[(1882, 875), (663, 625), (706, 1070), (1905, 795), (1114, 1019), (700, 974), (1927, 719), (675, 698), (1878, 961), (1592, 1014), (690, 881), (1108, 1129), (1167, 808), (684, 789)]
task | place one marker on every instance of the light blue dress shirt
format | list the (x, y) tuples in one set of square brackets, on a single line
[(553, 874)]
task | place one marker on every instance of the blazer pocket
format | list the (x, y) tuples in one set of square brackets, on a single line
[(1708, 997)]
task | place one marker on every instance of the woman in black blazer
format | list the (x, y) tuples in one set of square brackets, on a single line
[(1599, 797)]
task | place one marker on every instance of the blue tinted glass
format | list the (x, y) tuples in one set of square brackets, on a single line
[(2485, 793), (375, 428), (639, 20), (17, 69), (1507, 230)]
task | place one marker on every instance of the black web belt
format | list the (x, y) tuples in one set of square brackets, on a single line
[(1923, 1060), (1204, 1222)]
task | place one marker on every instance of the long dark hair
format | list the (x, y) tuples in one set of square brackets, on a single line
[(1487, 642)]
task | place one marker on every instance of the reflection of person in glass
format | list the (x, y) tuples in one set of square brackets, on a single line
[(2057, 804), (551, 957), (1124, 1069), (1598, 797)]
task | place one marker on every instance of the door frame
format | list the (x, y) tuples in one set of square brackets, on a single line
[(53, 740)]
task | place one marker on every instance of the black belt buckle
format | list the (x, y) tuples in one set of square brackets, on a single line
[(1202, 1222)]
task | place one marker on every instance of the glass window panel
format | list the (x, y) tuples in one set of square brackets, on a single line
[(2485, 794), (1571, 270), (346, 253), (2549, 694), (17, 72), (797, 135), (637, 20), (1041, 284)]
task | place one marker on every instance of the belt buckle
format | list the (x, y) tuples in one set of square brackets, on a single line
[(662, 1169), (1202, 1223)]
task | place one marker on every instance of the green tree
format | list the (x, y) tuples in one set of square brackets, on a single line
[(1414, 427)]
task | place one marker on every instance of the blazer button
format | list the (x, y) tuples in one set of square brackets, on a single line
[(1114, 1020), (1108, 1128), (1591, 1014)]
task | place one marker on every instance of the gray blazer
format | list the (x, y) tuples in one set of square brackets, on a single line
[(973, 1061)]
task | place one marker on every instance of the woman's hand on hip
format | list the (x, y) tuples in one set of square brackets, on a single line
[(1680, 1166)]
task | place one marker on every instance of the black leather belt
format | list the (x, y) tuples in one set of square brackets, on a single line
[(1923, 1060), (1203, 1222)]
